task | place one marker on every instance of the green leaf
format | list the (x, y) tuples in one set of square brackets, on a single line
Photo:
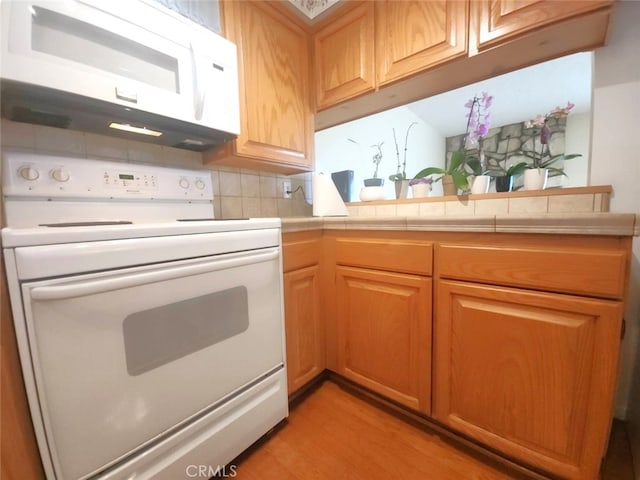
[(429, 171), (457, 159), (475, 166), (517, 169), (552, 160), (557, 170), (460, 180)]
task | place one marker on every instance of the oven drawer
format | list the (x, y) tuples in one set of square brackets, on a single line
[(126, 356), (206, 446)]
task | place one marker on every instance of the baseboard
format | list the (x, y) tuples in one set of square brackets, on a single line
[(303, 392)]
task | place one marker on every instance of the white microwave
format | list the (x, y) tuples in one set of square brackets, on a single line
[(88, 64)]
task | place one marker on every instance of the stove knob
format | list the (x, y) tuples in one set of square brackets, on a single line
[(60, 174), (184, 183), (199, 184), (29, 173)]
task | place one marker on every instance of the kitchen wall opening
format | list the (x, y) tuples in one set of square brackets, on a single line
[(517, 97)]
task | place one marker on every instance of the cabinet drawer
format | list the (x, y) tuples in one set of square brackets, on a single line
[(584, 272), (300, 249), (402, 256)]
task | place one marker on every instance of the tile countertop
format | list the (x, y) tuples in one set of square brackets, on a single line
[(569, 211), (619, 224)]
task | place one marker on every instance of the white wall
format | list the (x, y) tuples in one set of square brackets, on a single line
[(577, 138), (615, 160), (335, 153)]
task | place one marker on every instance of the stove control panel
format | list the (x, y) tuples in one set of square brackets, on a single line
[(36, 175)]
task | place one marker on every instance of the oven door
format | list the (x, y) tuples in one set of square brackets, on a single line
[(123, 357)]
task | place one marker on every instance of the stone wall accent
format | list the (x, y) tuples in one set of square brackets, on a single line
[(503, 146)]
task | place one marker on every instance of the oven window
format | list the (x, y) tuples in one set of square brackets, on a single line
[(160, 335)]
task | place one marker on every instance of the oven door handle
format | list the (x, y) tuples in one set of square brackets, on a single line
[(58, 292)]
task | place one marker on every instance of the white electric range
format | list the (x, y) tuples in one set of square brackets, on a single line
[(150, 334)]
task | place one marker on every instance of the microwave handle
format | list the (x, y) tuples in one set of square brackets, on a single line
[(199, 90), (59, 292)]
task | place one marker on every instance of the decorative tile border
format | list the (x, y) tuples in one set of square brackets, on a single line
[(619, 224), (565, 200)]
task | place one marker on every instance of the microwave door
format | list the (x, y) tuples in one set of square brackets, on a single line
[(97, 54)]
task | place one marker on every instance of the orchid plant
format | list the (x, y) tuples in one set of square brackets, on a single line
[(401, 174), (478, 124), (376, 158), (544, 159)]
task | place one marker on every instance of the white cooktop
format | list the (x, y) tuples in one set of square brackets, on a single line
[(52, 199)]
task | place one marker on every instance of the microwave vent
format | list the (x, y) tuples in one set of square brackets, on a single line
[(196, 147), (29, 115), (43, 106)]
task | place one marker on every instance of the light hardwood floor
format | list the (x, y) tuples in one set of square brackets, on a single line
[(333, 435)]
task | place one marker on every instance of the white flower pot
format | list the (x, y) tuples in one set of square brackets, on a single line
[(480, 184), (368, 194), (420, 190), (402, 188), (535, 179)]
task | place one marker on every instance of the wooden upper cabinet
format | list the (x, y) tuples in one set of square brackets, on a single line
[(529, 374), (276, 117), (412, 36), (496, 21), (344, 56)]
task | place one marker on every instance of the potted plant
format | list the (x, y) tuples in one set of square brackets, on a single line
[(465, 162), (537, 172), (400, 177), (420, 187), (504, 174), (377, 158), (372, 189)]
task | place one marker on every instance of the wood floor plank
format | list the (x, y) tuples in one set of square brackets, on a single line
[(333, 435)]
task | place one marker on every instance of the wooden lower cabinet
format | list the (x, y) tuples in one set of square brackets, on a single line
[(531, 374), (384, 333), (19, 455), (303, 328)]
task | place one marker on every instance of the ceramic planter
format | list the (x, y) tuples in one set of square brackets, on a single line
[(480, 184), (402, 188), (373, 182), (535, 179), (420, 190), (368, 194), (504, 184), (448, 187)]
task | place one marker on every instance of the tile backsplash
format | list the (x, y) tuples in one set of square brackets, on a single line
[(238, 192)]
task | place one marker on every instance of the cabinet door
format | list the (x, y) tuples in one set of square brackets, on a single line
[(530, 374), (384, 333), (303, 329), (412, 36), (344, 57), (496, 21), (275, 101)]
